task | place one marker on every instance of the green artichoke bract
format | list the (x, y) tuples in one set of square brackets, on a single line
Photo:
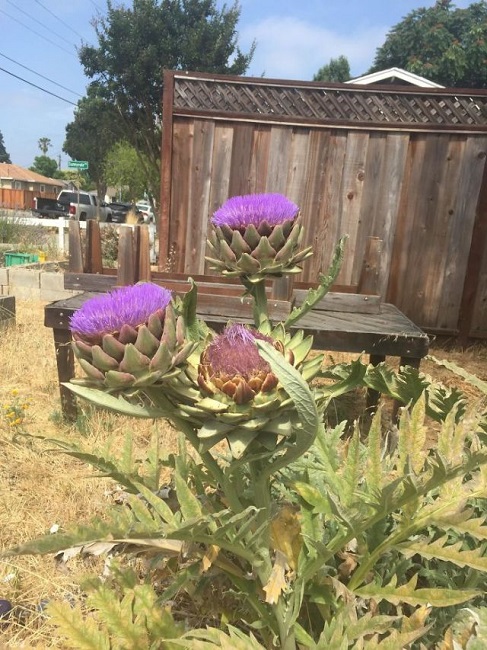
[(257, 235), (129, 338), (239, 397)]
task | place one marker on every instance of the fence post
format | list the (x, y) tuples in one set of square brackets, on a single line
[(60, 234)]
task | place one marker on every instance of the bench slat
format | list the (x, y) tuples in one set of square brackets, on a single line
[(347, 302)]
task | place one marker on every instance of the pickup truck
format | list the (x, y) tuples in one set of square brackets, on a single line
[(72, 205)]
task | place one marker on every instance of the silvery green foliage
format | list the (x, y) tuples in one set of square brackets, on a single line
[(356, 526), (299, 535)]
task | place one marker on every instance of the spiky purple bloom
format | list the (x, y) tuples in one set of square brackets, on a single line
[(231, 364), (106, 314), (234, 352), (238, 212)]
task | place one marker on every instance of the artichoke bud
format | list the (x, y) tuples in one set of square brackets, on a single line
[(257, 235), (130, 338), (233, 378)]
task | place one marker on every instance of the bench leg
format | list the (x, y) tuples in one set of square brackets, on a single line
[(372, 396), (65, 371)]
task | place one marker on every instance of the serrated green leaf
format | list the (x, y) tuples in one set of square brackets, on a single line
[(373, 470), (397, 639), (313, 496), (82, 633), (142, 513), (369, 624), (351, 468), (156, 502), (190, 505), (461, 372), (441, 550), (409, 595), (295, 387), (211, 638), (315, 295), (416, 434)]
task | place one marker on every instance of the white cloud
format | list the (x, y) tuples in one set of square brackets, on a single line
[(289, 48)]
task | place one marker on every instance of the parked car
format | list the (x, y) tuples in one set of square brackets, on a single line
[(120, 210), (146, 210), (73, 205)]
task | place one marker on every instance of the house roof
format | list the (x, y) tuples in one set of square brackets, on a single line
[(17, 173), (393, 75)]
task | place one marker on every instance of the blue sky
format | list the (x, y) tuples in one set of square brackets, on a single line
[(294, 39)]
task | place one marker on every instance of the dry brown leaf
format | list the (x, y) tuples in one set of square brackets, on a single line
[(209, 557), (286, 534), (277, 580)]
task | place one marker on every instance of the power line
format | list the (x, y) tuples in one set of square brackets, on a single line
[(38, 87), (70, 27), (37, 33), (40, 75), (95, 5), (51, 31)]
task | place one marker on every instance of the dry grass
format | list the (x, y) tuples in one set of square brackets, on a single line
[(40, 487)]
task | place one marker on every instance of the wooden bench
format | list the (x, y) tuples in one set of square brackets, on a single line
[(348, 319)]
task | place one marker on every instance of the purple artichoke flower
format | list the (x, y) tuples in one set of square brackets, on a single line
[(232, 365), (257, 235), (242, 211), (129, 337), (125, 306)]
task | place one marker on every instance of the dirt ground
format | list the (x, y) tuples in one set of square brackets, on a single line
[(42, 489)]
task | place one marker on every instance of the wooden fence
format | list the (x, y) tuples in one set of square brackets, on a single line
[(21, 199), (404, 165)]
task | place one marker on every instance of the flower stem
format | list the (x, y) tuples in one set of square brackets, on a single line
[(260, 308), (211, 465)]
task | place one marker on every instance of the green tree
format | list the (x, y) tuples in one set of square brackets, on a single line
[(45, 166), (134, 46), (4, 156), (123, 170), (96, 127), (336, 70), (44, 144), (443, 43)]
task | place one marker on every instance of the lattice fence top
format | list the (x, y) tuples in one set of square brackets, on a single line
[(340, 104)]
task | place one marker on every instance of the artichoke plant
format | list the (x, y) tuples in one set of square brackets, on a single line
[(255, 236), (129, 338)]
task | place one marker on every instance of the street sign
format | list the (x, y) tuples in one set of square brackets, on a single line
[(78, 164)]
